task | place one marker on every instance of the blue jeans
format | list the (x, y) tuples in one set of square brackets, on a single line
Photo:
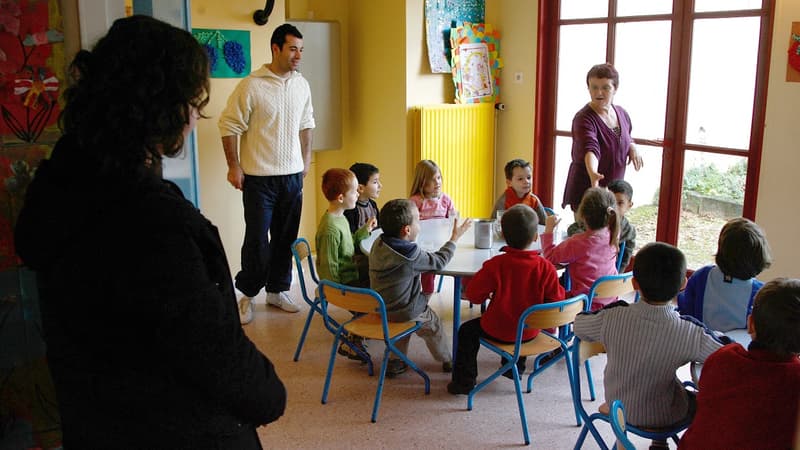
[(271, 205)]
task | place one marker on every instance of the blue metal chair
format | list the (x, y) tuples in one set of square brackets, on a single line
[(543, 316), (604, 287), (581, 354), (371, 323), (617, 416), (302, 251), (620, 255)]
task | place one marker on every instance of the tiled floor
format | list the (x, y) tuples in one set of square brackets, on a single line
[(407, 417)]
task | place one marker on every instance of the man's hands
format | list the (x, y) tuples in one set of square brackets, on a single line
[(236, 176)]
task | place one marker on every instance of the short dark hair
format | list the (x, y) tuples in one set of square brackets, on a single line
[(335, 182), (660, 270), (396, 214), (620, 186), (520, 226), (513, 164), (134, 93), (776, 316), (280, 33), (363, 171), (604, 71), (742, 250)]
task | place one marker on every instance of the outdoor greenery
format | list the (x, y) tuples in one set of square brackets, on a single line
[(706, 179)]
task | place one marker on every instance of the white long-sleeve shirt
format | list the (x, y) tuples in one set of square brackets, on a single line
[(268, 112)]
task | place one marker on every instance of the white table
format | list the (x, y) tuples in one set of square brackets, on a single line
[(466, 261)]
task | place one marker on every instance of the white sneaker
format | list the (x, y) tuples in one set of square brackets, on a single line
[(282, 301), (246, 309)]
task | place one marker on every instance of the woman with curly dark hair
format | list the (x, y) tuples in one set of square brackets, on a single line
[(141, 324)]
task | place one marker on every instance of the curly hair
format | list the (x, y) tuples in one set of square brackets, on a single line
[(135, 93)]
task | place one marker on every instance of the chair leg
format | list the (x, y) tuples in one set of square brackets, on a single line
[(507, 366), (379, 391), (589, 379), (439, 288), (521, 405), (330, 369), (303, 334)]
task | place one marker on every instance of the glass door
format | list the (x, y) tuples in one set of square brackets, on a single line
[(692, 77)]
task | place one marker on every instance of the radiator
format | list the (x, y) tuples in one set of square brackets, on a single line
[(460, 139)]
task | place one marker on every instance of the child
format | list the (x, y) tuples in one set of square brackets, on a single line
[(593, 253), (518, 190), (749, 398), (515, 280), (336, 244), (395, 265), (432, 203), (369, 188), (647, 341), (721, 295), (623, 192)]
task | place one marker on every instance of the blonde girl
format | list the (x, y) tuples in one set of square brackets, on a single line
[(593, 253), (426, 192)]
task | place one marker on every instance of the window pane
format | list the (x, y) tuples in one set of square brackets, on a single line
[(722, 81), (642, 8), (725, 5), (645, 183), (713, 193), (643, 66), (580, 47), (563, 159), (581, 9)]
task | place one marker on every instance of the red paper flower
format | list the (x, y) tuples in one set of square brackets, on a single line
[(794, 54)]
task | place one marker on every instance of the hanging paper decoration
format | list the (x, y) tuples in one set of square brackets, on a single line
[(232, 46), (440, 17), (476, 63)]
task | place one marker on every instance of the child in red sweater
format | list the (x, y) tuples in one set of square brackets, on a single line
[(749, 398), (514, 280)]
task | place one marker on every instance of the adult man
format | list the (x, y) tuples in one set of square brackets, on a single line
[(270, 112)]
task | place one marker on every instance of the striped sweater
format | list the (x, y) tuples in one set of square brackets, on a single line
[(646, 344)]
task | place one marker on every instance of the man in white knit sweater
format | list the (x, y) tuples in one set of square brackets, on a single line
[(270, 116), (647, 341)]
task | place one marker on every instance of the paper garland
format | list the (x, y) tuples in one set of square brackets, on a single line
[(476, 63)]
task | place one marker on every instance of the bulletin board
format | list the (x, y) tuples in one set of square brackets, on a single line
[(476, 63)]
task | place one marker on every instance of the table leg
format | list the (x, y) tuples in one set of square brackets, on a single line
[(456, 312)]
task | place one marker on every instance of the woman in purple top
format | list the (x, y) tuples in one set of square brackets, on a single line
[(601, 138)]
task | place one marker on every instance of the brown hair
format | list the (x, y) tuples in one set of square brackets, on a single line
[(513, 164), (742, 250), (423, 173), (396, 214), (604, 71), (776, 316), (520, 226), (598, 209), (336, 182)]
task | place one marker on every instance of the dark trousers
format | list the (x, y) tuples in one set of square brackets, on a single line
[(272, 208), (465, 367)]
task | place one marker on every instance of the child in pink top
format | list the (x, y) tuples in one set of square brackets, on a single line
[(426, 193), (593, 253)]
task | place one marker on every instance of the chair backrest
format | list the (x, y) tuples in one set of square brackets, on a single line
[(302, 250), (358, 300), (552, 315), (612, 286), (617, 416)]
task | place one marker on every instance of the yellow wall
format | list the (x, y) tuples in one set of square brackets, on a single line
[(385, 72)]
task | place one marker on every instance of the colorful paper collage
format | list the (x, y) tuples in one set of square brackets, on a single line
[(476, 63), (228, 51), (440, 17)]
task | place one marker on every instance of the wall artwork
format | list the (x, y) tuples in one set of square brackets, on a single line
[(793, 65), (440, 17), (476, 63), (228, 51)]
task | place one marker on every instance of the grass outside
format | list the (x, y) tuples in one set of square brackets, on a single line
[(697, 238)]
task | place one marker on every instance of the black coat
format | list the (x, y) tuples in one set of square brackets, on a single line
[(139, 314)]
